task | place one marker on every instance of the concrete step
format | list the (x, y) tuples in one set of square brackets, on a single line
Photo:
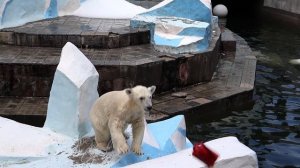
[(231, 88), (29, 71), (83, 32)]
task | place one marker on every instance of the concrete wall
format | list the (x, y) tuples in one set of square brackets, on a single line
[(292, 6)]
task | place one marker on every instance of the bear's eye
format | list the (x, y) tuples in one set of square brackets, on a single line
[(142, 98), (150, 97)]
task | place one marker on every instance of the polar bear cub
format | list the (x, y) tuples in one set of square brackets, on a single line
[(113, 111)]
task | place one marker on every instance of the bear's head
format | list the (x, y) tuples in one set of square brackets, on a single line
[(142, 96)]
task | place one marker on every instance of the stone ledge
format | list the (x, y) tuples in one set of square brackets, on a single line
[(82, 32), (228, 41), (29, 71)]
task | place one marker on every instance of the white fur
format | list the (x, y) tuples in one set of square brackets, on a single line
[(113, 111)]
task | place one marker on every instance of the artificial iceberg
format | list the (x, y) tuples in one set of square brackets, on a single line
[(177, 35), (18, 12), (73, 92), (174, 28)]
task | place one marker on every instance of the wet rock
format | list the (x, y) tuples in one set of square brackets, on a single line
[(180, 94)]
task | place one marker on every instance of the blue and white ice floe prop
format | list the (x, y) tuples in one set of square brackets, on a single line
[(29, 147), (232, 154), (18, 12), (66, 139), (198, 10), (178, 26), (73, 92), (179, 35), (160, 139)]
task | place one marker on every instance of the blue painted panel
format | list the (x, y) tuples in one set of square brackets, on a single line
[(162, 132), (149, 153), (158, 40), (52, 10), (191, 9), (193, 31), (18, 12), (56, 119)]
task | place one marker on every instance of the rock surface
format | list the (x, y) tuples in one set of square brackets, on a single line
[(180, 94)]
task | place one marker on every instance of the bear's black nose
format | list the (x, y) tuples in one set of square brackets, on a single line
[(149, 108)]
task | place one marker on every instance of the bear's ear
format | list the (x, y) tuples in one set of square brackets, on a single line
[(152, 89), (128, 91)]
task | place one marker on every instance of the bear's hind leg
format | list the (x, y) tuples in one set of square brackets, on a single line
[(103, 140)]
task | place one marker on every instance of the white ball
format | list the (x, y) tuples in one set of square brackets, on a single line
[(220, 10)]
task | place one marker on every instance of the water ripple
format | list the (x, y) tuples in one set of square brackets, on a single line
[(272, 127)]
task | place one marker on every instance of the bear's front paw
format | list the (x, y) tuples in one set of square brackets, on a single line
[(106, 147), (137, 150), (122, 149)]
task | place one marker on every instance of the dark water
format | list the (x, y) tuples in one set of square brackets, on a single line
[(272, 127)]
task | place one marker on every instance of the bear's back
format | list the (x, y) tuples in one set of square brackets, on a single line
[(110, 101), (114, 96)]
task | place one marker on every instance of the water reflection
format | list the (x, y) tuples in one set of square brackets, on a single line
[(272, 127)]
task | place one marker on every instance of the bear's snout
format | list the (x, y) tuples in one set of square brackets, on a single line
[(149, 108)]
